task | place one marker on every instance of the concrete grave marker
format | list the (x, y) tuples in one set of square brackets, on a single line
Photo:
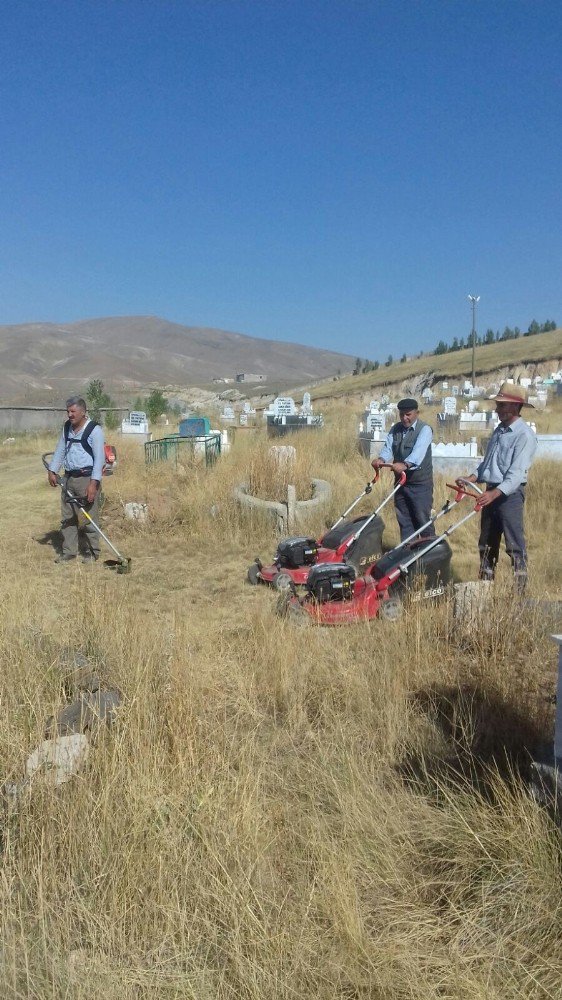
[(306, 407), (284, 406)]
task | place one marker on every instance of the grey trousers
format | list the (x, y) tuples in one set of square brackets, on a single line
[(413, 505), (73, 522), (503, 517)]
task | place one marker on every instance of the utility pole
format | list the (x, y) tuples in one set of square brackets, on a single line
[(474, 299)]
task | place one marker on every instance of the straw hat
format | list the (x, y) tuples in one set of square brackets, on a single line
[(513, 394)]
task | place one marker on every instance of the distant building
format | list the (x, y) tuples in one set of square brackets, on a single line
[(247, 377)]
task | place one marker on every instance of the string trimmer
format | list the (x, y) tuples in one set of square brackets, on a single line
[(124, 565)]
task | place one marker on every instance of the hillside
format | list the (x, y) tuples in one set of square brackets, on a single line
[(540, 353), (40, 362)]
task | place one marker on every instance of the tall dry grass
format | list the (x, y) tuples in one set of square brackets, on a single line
[(278, 813)]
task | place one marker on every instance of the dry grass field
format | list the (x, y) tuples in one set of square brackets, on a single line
[(278, 813)]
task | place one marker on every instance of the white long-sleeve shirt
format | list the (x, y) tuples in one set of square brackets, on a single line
[(508, 456)]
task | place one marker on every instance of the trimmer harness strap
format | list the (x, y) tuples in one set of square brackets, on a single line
[(83, 441)]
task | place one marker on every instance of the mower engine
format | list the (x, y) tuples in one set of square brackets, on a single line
[(295, 552), (331, 582)]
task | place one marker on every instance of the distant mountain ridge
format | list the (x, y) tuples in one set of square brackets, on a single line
[(39, 362)]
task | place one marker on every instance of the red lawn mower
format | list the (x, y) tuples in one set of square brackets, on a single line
[(356, 544), (334, 596)]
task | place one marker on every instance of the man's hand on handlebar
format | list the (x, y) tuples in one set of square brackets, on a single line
[(488, 497), (377, 463), (399, 467), (463, 480)]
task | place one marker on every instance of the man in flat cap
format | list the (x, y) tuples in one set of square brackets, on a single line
[(408, 449), (504, 470)]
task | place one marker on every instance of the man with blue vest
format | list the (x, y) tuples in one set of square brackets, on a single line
[(408, 449), (80, 450)]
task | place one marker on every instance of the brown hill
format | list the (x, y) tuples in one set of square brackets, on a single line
[(40, 362)]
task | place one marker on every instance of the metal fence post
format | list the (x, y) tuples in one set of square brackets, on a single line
[(558, 720)]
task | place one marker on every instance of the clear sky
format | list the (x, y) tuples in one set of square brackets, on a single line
[(340, 174)]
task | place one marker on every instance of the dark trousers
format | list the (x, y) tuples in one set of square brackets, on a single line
[(413, 505), (503, 517)]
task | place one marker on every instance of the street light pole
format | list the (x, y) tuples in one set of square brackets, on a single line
[(473, 299)]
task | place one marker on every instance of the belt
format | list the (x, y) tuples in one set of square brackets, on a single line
[(494, 486), (78, 473)]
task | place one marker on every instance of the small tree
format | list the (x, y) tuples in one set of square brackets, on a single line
[(111, 420), (403, 359), (156, 405), (388, 361), (533, 328), (97, 399)]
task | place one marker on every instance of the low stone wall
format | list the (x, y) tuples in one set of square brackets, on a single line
[(454, 465), (25, 419), (549, 446)]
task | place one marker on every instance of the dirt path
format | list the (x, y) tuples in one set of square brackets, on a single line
[(168, 577)]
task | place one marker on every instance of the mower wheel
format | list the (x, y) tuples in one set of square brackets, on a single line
[(282, 582), (253, 575), (392, 609)]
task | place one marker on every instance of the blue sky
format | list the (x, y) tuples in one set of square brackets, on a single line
[(337, 174)]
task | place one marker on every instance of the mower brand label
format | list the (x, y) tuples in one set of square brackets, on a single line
[(367, 560), (425, 594)]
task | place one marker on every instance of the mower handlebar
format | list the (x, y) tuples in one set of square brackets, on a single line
[(475, 492), (400, 476)]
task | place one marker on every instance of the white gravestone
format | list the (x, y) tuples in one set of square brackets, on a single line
[(284, 406), (376, 422), (136, 423)]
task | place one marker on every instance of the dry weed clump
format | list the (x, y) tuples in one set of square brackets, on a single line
[(278, 813)]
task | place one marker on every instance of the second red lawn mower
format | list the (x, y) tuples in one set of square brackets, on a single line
[(356, 543), (335, 596)]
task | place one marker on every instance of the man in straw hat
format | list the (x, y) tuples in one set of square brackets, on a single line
[(504, 470), (408, 449)]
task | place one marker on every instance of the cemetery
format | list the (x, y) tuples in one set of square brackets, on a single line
[(194, 440), (285, 417), (204, 719)]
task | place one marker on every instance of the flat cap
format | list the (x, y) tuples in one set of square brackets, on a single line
[(408, 404)]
